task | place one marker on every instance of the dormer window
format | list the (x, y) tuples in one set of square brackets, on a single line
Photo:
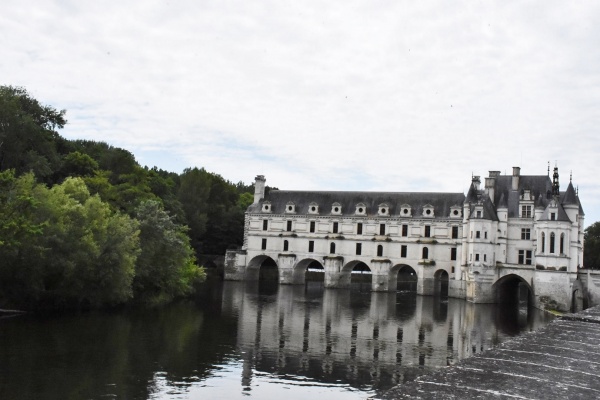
[(290, 207), (266, 207), (336, 208), (428, 211), (313, 208), (384, 209), (405, 210), (361, 209), (455, 212)]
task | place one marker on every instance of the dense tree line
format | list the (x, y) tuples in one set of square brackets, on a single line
[(82, 224)]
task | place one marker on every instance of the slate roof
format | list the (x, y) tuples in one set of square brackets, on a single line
[(442, 202)]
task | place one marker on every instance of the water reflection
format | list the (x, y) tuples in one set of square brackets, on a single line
[(241, 340)]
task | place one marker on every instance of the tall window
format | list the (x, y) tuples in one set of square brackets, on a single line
[(525, 257), (425, 253), (543, 242), (312, 226), (404, 230), (359, 228), (427, 231), (285, 245), (478, 214), (289, 226), (453, 253), (379, 251), (265, 224), (526, 211), (455, 232), (263, 245), (552, 237), (562, 243), (403, 251), (476, 256), (477, 234), (332, 248), (311, 246), (335, 227), (382, 229), (525, 234), (552, 216), (358, 249)]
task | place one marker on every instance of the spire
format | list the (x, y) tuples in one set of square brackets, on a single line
[(570, 196), (555, 184)]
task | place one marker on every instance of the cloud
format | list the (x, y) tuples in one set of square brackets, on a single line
[(352, 95)]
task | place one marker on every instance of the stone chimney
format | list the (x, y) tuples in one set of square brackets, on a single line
[(490, 187), (259, 188), (476, 181), (515, 178)]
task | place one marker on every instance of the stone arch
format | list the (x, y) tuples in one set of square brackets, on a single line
[(405, 276), (253, 269), (357, 271), (512, 289), (441, 280), (301, 270)]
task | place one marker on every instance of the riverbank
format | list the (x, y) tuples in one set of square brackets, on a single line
[(559, 361)]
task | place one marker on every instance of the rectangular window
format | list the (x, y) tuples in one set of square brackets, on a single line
[(453, 253), (477, 234), (286, 245), (521, 257), (476, 256), (485, 257), (403, 251), (358, 249), (335, 227), (289, 226), (455, 232), (382, 229), (525, 234), (265, 224), (405, 230), (427, 231), (359, 228), (528, 257), (552, 216), (311, 246), (263, 245), (525, 257), (478, 214), (485, 234), (526, 211), (312, 226)]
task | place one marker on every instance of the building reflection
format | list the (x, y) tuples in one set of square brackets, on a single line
[(376, 339)]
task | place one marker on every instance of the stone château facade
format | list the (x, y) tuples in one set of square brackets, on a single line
[(516, 231)]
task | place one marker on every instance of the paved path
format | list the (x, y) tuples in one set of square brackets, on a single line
[(559, 361)]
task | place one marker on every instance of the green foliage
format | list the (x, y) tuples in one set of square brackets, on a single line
[(166, 267), (591, 247)]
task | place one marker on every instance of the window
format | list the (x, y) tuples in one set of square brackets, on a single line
[(478, 214), (285, 245), (455, 232), (311, 246), (312, 226), (265, 224), (552, 216), (359, 228), (485, 234), (478, 234), (562, 243), (543, 242), (404, 230), (263, 245), (453, 253), (552, 243), (425, 253), (525, 257), (332, 248), (289, 226), (403, 251), (335, 227), (525, 234), (380, 251), (485, 257), (476, 256), (358, 249), (427, 231), (526, 211), (471, 234), (382, 229)]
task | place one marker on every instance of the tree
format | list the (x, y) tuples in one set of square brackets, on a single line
[(166, 267), (591, 246)]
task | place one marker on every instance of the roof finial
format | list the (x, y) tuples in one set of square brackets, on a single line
[(555, 184), (571, 176), (548, 168)]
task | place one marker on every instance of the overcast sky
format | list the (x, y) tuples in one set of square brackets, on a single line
[(323, 95)]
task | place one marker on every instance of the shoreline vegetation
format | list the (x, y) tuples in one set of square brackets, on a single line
[(84, 226)]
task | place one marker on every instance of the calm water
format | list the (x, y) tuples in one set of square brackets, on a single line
[(241, 341)]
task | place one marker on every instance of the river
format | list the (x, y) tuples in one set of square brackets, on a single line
[(250, 341)]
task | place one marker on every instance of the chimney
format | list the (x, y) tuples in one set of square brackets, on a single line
[(259, 188), (515, 178), (476, 181), (490, 187)]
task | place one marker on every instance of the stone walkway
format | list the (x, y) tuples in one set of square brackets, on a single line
[(559, 361)]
